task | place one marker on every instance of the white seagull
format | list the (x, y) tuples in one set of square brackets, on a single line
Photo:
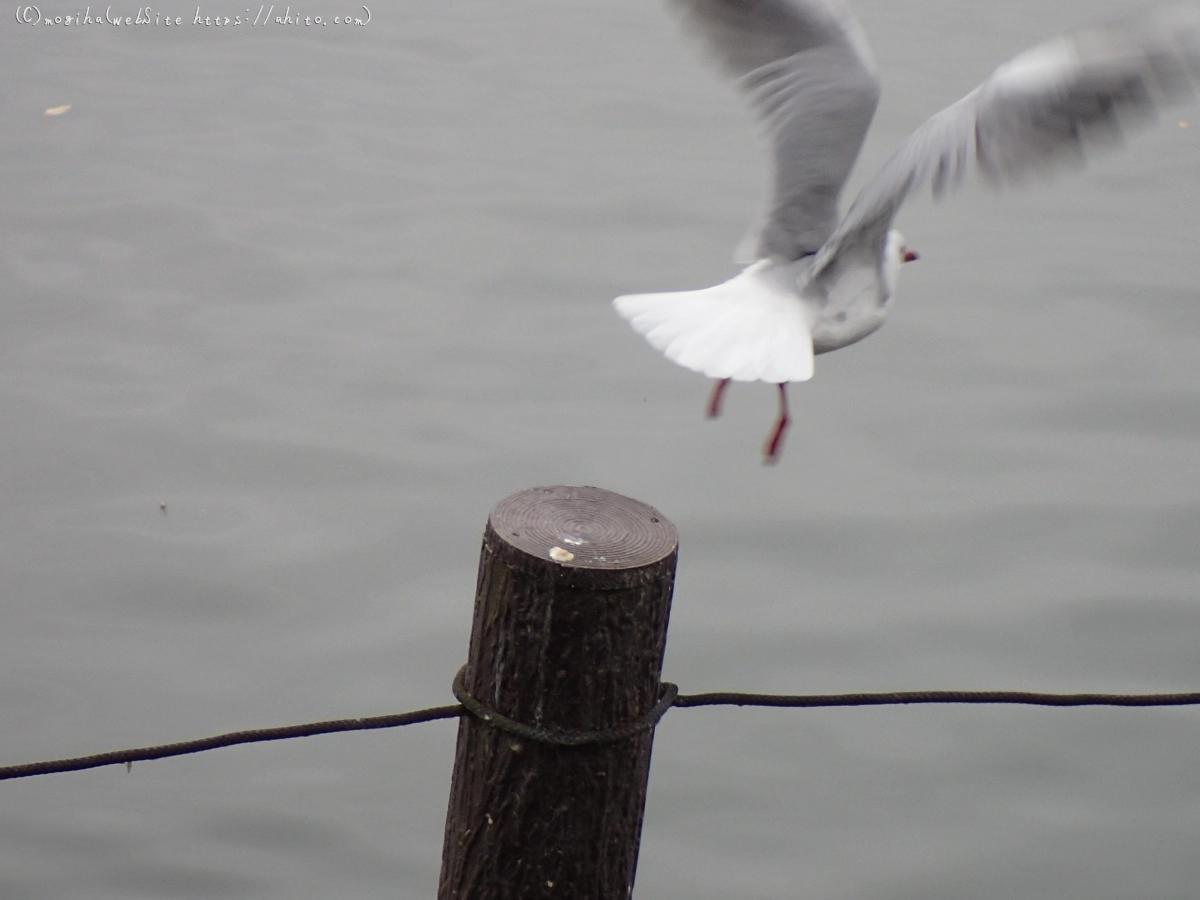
[(815, 283)]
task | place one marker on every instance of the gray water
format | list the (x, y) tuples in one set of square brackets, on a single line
[(328, 294)]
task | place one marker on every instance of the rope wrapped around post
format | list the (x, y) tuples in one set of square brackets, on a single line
[(565, 737)]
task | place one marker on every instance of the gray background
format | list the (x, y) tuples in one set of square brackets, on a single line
[(330, 293)]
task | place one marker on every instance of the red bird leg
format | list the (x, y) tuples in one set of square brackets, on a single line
[(714, 400), (775, 441)]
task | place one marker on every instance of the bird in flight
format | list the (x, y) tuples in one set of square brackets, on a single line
[(817, 282)]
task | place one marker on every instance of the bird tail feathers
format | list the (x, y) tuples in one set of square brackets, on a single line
[(751, 328)]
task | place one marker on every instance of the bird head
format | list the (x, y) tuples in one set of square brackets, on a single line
[(898, 247), (894, 255)]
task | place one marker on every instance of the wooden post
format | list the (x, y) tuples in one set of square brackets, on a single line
[(570, 625)]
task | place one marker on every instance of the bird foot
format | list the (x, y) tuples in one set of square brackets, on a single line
[(775, 441), (714, 400)]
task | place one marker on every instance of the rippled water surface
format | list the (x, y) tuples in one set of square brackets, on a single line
[(327, 294)]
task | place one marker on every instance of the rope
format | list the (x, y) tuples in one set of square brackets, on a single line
[(669, 698), (129, 757), (893, 699)]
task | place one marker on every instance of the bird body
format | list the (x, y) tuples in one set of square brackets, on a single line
[(768, 321), (817, 282)]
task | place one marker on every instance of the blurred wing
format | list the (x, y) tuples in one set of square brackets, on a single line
[(1043, 109), (809, 74)]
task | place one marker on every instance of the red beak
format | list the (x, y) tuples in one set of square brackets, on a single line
[(909, 256)]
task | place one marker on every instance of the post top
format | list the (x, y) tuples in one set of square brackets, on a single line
[(584, 527)]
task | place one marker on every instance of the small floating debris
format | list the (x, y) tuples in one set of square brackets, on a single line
[(57, 110)]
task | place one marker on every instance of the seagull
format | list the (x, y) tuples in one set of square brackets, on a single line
[(816, 282)]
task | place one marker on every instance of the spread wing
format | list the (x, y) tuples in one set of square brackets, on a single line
[(809, 74), (1045, 108)]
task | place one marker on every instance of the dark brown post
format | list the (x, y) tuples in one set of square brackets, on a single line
[(570, 625)]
